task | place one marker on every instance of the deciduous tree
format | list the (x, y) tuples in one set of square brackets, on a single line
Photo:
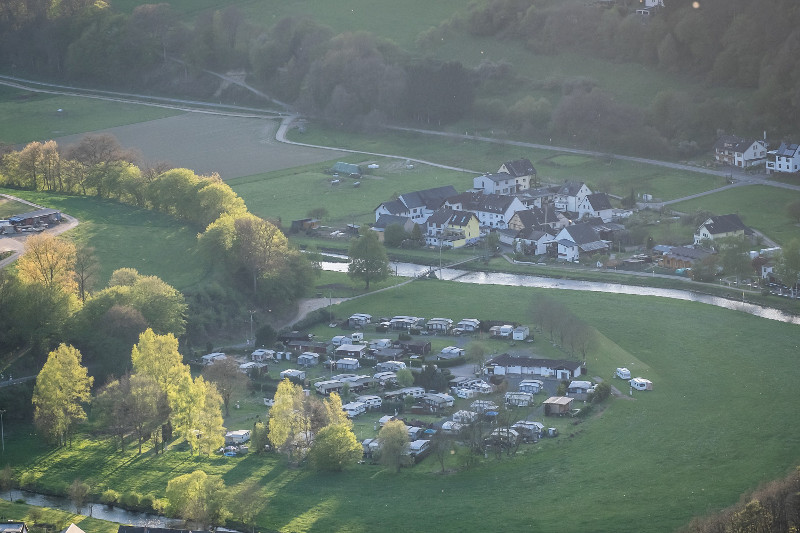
[(335, 447), (198, 497), (48, 261), (393, 437), (62, 386), (368, 260)]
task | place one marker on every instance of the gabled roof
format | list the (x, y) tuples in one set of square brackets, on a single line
[(387, 220), (570, 188), (787, 150), (487, 203), (439, 217), (461, 218), (599, 201), (395, 207), (582, 234), (536, 216), (520, 167), (430, 198), (535, 235), (724, 224), (505, 359), (732, 142)]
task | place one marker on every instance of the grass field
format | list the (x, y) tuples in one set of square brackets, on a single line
[(290, 194), (714, 427), (601, 174), (123, 236), (760, 207), (9, 207), (31, 117), (58, 519)]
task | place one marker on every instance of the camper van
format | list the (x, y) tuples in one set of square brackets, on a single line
[(353, 409), (623, 373), (641, 384), (371, 401)]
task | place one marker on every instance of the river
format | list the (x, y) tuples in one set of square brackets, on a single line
[(525, 280), (95, 510)]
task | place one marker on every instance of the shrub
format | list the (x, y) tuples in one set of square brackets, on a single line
[(27, 481), (146, 503), (130, 500), (109, 497)]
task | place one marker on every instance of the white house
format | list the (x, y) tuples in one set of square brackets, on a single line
[(721, 226), (492, 210), (500, 183), (785, 159), (577, 239), (534, 242), (569, 196), (739, 152), (418, 205), (521, 170), (596, 205)]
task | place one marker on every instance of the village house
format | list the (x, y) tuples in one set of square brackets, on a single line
[(534, 242), (492, 211), (738, 152), (505, 364), (579, 238), (522, 171), (534, 218), (596, 205), (538, 197), (786, 158), (721, 226), (500, 183), (569, 196), (418, 205), (452, 229)]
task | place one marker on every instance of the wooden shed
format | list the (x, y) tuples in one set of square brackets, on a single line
[(557, 405)]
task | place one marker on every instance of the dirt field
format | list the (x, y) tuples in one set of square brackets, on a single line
[(231, 146)]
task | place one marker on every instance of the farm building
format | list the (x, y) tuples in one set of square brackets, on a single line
[(505, 364), (557, 405), (307, 359)]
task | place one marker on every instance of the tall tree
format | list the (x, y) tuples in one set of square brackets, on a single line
[(62, 386), (285, 417), (85, 268), (393, 437), (49, 261), (260, 245), (226, 376), (335, 447), (368, 260)]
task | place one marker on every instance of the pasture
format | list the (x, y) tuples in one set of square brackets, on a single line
[(124, 236), (760, 206), (713, 427), (29, 117)]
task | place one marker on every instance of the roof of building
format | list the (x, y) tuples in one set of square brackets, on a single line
[(39, 213), (570, 188), (582, 234), (724, 224), (498, 177), (395, 207), (487, 203), (688, 253), (384, 221), (430, 198), (786, 150), (520, 167), (505, 359), (599, 201), (536, 216), (732, 142)]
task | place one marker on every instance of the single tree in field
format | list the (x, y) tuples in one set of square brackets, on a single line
[(48, 261), (226, 376), (335, 447), (393, 437), (368, 260), (157, 356), (61, 387), (198, 497), (86, 268)]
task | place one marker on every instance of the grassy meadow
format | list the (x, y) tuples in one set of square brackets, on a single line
[(714, 426), (761, 207), (29, 117), (124, 236), (614, 176)]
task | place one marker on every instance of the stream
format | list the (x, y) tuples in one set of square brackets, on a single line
[(525, 280)]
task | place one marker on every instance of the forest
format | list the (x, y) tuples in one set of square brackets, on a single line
[(742, 54)]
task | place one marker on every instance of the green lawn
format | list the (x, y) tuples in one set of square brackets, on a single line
[(290, 194), (28, 116), (60, 519), (716, 424), (760, 206), (10, 207), (601, 174), (123, 236)]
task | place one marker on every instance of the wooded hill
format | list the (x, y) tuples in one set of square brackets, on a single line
[(733, 63)]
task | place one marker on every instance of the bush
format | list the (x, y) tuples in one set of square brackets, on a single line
[(447, 363), (130, 500), (27, 481), (109, 497), (146, 503)]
